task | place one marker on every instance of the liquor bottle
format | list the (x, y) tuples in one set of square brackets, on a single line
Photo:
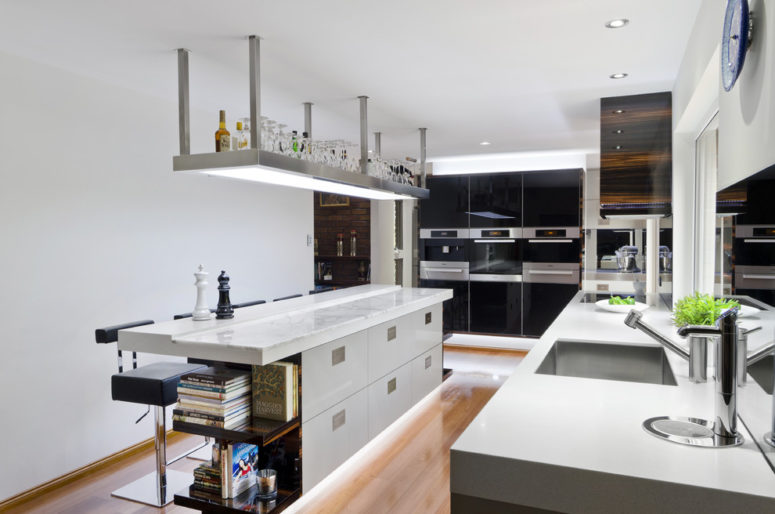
[(222, 136), (246, 129), (353, 242), (243, 137), (306, 150), (339, 245)]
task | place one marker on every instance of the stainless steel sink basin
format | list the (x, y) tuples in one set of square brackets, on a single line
[(608, 361), (763, 373)]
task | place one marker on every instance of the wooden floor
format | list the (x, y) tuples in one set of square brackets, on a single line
[(406, 469)]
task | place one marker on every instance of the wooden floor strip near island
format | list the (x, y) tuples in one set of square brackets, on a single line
[(407, 471)]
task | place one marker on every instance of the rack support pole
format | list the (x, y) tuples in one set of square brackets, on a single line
[(254, 45), (378, 144), (184, 112), (422, 156), (364, 135), (308, 119)]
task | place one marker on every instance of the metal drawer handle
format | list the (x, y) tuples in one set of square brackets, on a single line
[(550, 272), (550, 240), (427, 318), (760, 277), (446, 270), (428, 362), (495, 241), (338, 419), (759, 240), (337, 356), (391, 385), (391, 333)]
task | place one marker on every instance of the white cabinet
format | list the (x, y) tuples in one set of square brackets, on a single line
[(427, 329), (389, 346), (389, 397), (426, 373), (332, 372), (332, 437)]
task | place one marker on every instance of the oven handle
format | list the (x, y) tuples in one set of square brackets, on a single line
[(550, 240), (495, 240), (549, 272), (760, 277), (759, 240), (446, 270)]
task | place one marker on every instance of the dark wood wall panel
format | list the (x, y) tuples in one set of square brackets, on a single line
[(636, 154)]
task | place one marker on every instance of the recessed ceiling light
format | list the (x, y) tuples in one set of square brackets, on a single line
[(618, 111), (618, 147), (618, 23), (618, 75), (618, 131), (485, 143)]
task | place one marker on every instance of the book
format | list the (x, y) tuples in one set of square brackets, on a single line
[(214, 388), (212, 417), (218, 376), (214, 411), (274, 391), (229, 423), (239, 464), (215, 395), (212, 403)]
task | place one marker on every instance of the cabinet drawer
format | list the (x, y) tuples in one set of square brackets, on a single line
[(426, 373), (332, 437), (389, 346), (332, 372), (427, 329), (389, 397)]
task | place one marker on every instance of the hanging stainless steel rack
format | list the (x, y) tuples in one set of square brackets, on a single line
[(273, 168)]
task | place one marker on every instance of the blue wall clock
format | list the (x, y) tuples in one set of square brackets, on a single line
[(735, 41)]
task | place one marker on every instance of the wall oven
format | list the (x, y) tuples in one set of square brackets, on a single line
[(558, 244), (496, 280), (754, 251)]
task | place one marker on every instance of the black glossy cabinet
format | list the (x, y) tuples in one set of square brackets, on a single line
[(447, 206), (496, 307), (552, 199), (454, 311), (496, 200), (542, 303)]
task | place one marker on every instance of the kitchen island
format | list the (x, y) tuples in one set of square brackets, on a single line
[(367, 354), (548, 443)]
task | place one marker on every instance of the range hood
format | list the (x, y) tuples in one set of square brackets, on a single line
[(267, 167)]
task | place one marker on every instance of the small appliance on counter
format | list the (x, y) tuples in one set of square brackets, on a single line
[(665, 259), (625, 258)]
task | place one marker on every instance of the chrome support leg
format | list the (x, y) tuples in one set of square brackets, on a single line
[(184, 112), (422, 156), (308, 119), (160, 443), (254, 51), (364, 134)]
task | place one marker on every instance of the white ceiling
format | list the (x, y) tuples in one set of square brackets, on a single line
[(525, 75)]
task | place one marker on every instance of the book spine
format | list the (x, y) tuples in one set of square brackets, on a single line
[(198, 421), (225, 470), (214, 389), (210, 380), (211, 417), (213, 394)]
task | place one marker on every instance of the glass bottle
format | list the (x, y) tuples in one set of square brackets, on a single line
[(222, 136), (306, 148), (246, 133), (353, 242), (295, 144), (339, 245), (236, 137)]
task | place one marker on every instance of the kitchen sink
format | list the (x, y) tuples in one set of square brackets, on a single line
[(762, 372), (608, 361)]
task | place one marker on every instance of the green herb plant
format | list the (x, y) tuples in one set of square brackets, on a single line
[(700, 309), (616, 300)]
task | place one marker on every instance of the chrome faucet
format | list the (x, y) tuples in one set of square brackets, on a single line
[(725, 424), (697, 356)]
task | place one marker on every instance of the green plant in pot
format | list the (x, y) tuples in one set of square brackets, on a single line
[(700, 309)]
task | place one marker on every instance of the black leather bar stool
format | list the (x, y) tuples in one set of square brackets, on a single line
[(153, 385), (288, 297)]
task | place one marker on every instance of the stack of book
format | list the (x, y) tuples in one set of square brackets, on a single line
[(207, 478), (276, 391), (217, 397)]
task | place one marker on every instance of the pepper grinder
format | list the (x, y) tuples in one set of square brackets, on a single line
[(224, 310), (201, 311)]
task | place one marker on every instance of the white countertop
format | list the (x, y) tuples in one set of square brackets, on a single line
[(265, 333), (577, 445)]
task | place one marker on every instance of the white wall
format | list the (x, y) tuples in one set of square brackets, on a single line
[(97, 230), (695, 99), (747, 112), (383, 228)]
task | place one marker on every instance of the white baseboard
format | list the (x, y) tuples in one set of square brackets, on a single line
[(499, 342)]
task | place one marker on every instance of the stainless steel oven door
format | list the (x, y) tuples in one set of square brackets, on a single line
[(496, 251), (550, 273), (754, 277)]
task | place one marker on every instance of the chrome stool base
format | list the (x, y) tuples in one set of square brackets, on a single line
[(145, 490)]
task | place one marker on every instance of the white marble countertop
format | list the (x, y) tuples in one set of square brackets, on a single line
[(265, 333), (577, 445)]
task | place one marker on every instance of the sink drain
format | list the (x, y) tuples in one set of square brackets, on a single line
[(688, 431)]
